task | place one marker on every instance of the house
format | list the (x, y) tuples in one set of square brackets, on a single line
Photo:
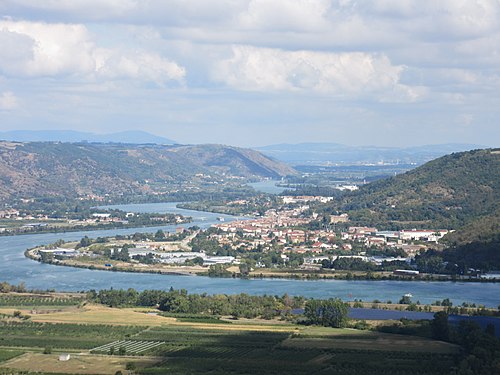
[(342, 218)]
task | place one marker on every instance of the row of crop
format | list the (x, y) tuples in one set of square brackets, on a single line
[(11, 300), (292, 362), (59, 342), (190, 336), (66, 330), (219, 352), (237, 365), (127, 346), (401, 362)]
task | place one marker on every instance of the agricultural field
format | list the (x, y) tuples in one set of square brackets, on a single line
[(130, 347), (31, 363), (6, 354), (35, 300), (104, 340), (98, 314), (60, 336), (339, 351)]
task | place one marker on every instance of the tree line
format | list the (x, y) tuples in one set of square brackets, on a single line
[(331, 312)]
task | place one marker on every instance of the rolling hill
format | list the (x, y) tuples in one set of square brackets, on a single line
[(75, 169), (450, 191)]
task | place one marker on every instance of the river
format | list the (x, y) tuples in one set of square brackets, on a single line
[(16, 268), (268, 186)]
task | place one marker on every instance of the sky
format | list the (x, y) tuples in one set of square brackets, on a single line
[(255, 72)]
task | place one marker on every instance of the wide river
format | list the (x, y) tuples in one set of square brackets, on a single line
[(16, 268)]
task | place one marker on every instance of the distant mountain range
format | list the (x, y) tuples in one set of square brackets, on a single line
[(36, 169), (131, 137), (293, 154), (334, 153)]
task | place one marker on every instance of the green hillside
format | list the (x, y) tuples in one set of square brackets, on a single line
[(448, 192), (37, 169)]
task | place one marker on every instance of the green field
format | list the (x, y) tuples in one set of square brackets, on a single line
[(198, 350), (6, 354), (210, 351), (113, 338), (61, 336)]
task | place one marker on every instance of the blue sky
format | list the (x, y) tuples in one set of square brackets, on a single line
[(255, 72)]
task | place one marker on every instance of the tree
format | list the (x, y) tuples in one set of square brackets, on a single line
[(440, 328), (130, 366), (405, 300), (84, 242), (159, 235), (328, 313), (244, 269)]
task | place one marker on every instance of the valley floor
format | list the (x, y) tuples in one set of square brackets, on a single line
[(101, 340)]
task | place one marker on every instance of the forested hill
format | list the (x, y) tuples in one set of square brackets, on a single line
[(447, 192), (36, 169)]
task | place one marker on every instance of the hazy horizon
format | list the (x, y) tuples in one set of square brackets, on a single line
[(132, 132), (253, 72)]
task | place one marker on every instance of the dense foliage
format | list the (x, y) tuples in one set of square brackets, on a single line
[(447, 192), (328, 313), (179, 301)]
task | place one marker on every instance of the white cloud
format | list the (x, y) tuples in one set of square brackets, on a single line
[(436, 54), (341, 74), (34, 49), (8, 101), (148, 66), (286, 15)]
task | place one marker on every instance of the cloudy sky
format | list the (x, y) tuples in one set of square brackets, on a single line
[(255, 72)]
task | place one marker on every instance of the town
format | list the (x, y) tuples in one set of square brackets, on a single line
[(290, 238)]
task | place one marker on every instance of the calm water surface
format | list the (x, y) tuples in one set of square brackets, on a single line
[(268, 186), (16, 268)]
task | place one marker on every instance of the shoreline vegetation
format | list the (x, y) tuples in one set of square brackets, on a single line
[(181, 303), (233, 272), (65, 226), (86, 228)]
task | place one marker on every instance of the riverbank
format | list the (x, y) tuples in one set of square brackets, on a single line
[(232, 272), (92, 227), (119, 266), (16, 268)]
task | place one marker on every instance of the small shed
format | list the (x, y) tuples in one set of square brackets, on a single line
[(64, 357)]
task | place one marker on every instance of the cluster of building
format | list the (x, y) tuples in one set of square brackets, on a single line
[(180, 257), (165, 257), (288, 231), (288, 228)]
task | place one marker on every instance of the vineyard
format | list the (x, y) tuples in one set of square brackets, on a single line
[(233, 354), (197, 351), (62, 336), (13, 300), (201, 344), (8, 354), (129, 347)]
